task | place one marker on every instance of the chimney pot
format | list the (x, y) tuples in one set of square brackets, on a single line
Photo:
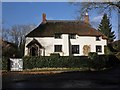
[(86, 18)]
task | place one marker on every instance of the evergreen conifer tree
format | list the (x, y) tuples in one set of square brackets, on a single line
[(106, 28)]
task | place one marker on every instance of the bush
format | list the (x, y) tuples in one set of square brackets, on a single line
[(97, 61), (112, 60), (107, 51), (93, 55), (5, 63), (118, 55)]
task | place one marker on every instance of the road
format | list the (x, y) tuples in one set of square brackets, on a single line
[(78, 79)]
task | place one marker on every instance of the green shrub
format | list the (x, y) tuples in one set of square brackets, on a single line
[(97, 61), (107, 50), (102, 61), (93, 55), (5, 63), (118, 55), (112, 60)]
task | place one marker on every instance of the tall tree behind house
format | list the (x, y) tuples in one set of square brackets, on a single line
[(106, 28)]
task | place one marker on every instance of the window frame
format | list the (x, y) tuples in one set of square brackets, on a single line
[(98, 47), (77, 49), (57, 48)]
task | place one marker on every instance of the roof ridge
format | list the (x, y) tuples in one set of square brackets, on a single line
[(64, 21)]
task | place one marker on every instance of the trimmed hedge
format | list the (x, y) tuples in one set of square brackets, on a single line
[(99, 62), (54, 62)]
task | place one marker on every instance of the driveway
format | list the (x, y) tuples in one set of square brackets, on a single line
[(78, 79)]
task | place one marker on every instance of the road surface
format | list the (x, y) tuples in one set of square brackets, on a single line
[(77, 79)]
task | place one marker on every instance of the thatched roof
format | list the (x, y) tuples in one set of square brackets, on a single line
[(51, 27)]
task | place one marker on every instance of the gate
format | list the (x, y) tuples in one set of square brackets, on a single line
[(16, 64)]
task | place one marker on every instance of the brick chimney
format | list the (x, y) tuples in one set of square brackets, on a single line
[(86, 18), (43, 18)]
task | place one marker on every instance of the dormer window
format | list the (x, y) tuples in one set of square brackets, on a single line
[(58, 36), (72, 36), (97, 38)]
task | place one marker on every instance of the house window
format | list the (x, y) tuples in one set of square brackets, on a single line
[(58, 48), (98, 48), (72, 36), (97, 38), (75, 49), (58, 36)]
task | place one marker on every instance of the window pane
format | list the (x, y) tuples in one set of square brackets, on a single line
[(98, 48), (58, 48), (75, 49)]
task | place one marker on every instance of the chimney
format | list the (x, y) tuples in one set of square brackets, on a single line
[(43, 18), (86, 18)]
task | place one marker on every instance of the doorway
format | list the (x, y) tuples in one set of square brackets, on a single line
[(34, 51)]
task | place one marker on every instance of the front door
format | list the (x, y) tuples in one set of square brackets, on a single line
[(34, 51)]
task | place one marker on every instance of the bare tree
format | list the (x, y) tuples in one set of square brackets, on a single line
[(17, 32), (100, 7), (5, 34)]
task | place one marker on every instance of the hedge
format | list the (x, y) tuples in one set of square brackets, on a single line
[(55, 62), (64, 62), (69, 62)]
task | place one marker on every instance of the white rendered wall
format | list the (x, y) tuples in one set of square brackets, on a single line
[(49, 42), (90, 41), (65, 38)]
